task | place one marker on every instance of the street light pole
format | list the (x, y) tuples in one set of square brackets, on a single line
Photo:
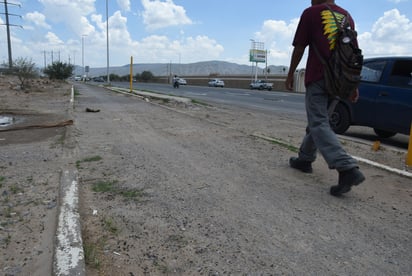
[(83, 55), (266, 65), (107, 41)]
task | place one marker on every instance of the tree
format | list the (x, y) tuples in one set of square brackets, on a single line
[(59, 70), (146, 76), (25, 69), (114, 77)]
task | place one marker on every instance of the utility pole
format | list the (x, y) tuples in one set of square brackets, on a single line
[(6, 10), (107, 43), (83, 56), (6, 13), (44, 53)]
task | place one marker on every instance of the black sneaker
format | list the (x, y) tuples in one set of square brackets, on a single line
[(347, 179), (303, 166)]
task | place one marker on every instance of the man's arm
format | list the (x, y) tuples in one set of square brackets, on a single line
[(297, 55)]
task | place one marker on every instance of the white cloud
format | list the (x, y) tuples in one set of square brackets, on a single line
[(277, 37), (272, 29), (72, 13), (79, 18), (60, 10), (53, 39), (158, 48), (124, 4), (202, 48), (158, 14), (119, 33), (390, 35), (38, 19)]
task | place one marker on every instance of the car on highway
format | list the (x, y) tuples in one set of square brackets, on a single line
[(261, 85), (385, 99), (216, 83), (181, 81), (98, 79)]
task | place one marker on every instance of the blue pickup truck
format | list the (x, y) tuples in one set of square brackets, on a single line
[(385, 99)]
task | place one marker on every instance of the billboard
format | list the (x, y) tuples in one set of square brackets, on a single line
[(256, 55)]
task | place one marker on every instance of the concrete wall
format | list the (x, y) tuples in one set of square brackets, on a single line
[(231, 81)]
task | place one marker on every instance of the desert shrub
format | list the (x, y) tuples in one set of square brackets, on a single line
[(25, 69), (59, 70)]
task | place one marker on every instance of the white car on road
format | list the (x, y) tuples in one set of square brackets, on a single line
[(216, 83)]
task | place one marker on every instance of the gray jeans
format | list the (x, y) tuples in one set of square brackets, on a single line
[(319, 135)]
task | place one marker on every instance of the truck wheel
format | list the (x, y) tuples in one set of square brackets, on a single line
[(383, 133), (340, 119)]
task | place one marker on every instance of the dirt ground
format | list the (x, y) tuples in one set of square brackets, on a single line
[(31, 159), (183, 189)]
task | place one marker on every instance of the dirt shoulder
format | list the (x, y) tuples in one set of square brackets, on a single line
[(31, 160), (182, 189), (168, 188)]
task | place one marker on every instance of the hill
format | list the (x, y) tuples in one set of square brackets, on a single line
[(188, 69)]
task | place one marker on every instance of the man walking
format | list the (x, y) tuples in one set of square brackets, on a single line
[(313, 31)]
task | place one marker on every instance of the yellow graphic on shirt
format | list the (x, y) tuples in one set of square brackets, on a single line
[(330, 27)]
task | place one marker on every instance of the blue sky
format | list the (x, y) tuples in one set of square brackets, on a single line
[(185, 31)]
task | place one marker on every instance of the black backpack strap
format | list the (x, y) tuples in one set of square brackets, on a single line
[(345, 20)]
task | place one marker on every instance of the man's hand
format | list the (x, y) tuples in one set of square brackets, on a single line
[(297, 54), (289, 83)]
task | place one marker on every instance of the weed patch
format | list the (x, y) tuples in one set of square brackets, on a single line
[(104, 187), (110, 187), (88, 160), (132, 193), (91, 255), (110, 225)]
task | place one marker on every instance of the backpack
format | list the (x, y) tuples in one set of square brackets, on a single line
[(343, 68)]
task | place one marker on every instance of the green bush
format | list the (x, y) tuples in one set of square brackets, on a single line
[(59, 70)]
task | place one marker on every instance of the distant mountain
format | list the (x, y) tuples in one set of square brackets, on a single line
[(189, 69)]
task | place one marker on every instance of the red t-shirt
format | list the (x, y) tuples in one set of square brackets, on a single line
[(317, 27)]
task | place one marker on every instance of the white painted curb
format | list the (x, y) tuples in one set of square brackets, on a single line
[(383, 167), (150, 94), (72, 97), (69, 255), (360, 159)]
